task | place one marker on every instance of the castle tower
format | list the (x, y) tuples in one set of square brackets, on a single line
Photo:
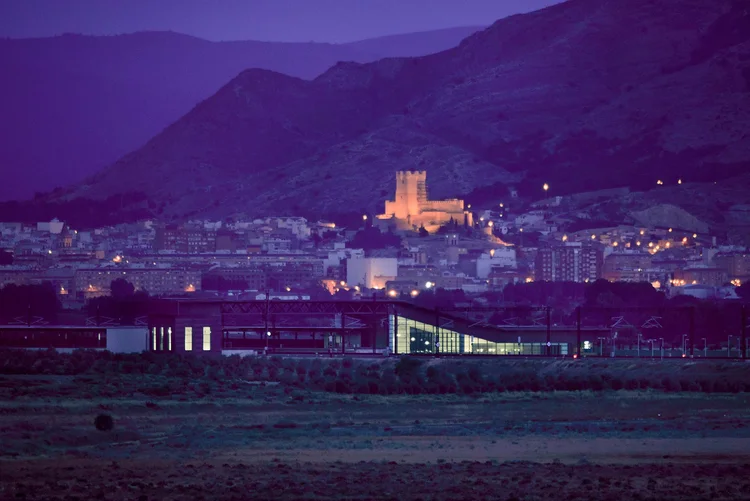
[(411, 193)]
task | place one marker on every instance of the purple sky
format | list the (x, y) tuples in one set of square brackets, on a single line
[(275, 20)]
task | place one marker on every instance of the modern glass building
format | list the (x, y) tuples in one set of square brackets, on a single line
[(409, 336)]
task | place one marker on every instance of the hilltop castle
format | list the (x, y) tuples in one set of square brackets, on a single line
[(411, 209)]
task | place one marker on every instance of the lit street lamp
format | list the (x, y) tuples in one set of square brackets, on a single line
[(545, 187)]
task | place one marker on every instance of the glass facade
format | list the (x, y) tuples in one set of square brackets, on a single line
[(411, 336)]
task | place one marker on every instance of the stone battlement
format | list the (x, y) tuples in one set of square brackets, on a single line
[(411, 207)]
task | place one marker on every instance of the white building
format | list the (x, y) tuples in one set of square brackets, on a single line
[(371, 272), (55, 226), (503, 257)]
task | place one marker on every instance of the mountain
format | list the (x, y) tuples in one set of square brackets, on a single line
[(414, 44), (74, 104), (584, 95)]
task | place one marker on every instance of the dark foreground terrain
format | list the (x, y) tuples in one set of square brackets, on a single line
[(239, 438)]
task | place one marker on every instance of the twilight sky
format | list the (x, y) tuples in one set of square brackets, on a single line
[(273, 20)]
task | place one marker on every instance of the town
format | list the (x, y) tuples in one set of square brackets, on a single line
[(416, 245)]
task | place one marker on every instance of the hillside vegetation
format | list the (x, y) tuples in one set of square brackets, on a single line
[(621, 94)]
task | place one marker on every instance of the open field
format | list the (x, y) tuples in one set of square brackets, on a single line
[(234, 437)]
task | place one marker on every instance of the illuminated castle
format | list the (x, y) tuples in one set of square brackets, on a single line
[(411, 209)]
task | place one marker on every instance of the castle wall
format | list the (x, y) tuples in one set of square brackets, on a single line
[(411, 207), (453, 205)]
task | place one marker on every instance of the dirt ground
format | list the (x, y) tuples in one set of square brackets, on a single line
[(261, 442)]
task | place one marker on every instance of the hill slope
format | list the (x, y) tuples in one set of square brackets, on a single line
[(74, 104), (583, 95)]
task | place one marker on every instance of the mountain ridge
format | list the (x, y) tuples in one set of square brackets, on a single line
[(78, 103), (572, 88)]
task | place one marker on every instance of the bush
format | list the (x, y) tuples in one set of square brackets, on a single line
[(104, 422), (407, 367)]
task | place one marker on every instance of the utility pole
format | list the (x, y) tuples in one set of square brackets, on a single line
[(549, 329), (743, 332), (265, 315), (729, 346), (578, 332)]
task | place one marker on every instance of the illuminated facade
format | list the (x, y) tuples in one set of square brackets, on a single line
[(411, 336), (411, 209)]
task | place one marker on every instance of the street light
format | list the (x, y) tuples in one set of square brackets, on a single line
[(684, 344), (545, 187)]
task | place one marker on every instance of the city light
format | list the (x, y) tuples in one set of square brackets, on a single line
[(545, 187), (643, 232), (492, 252), (565, 238), (490, 224), (651, 244), (614, 244), (392, 293), (679, 181), (414, 293), (428, 285), (659, 182), (593, 237), (638, 243), (670, 230), (268, 333), (342, 283), (289, 289), (501, 205), (364, 217), (736, 282), (190, 288), (529, 280), (117, 259), (695, 235)]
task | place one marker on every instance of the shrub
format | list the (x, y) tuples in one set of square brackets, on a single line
[(407, 367), (104, 422), (341, 386)]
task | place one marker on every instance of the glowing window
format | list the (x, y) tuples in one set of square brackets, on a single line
[(169, 338), (161, 339), (188, 339), (153, 338), (206, 338)]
